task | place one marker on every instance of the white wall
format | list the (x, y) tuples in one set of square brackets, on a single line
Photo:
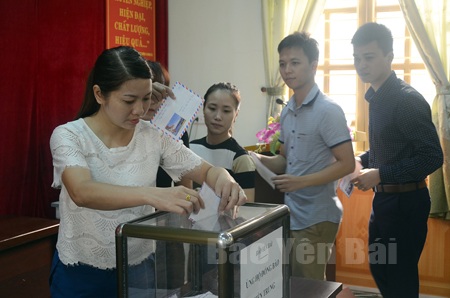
[(220, 40)]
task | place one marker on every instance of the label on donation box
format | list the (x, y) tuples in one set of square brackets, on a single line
[(261, 267)]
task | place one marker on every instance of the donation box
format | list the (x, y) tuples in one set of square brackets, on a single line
[(238, 253)]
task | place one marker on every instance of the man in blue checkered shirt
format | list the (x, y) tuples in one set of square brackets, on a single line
[(404, 150), (316, 151)]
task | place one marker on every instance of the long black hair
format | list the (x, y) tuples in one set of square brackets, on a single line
[(113, 68), (160, 73)]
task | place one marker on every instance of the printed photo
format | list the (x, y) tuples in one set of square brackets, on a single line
[(175, 124)]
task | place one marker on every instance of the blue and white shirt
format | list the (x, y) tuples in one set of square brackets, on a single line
[(309, 132)]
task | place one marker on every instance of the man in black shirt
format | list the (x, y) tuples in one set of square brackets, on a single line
[(404, 150)]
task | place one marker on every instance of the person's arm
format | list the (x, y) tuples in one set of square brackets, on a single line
[(231, 194), (72, 170), (88, 193), (96, 195), (219, 179), (185, 182), (344, 165), (414, 121), (363, 159), (277, 163), (413, 118), (161, 91), (367, 178), (243, 169), (334, 132)]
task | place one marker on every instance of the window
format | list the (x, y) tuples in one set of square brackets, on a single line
[(336, 75)]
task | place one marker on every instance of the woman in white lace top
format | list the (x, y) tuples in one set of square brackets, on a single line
[(105, 163)]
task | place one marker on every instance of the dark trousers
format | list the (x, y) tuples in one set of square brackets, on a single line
[(397, 233)]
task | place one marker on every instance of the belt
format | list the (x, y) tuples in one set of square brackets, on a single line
[(397, 188)]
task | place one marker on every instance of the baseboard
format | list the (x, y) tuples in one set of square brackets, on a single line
[(376, 291)]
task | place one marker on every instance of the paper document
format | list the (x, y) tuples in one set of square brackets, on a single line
[(345, 185), (212, 202), (175, 115), (263, 171)]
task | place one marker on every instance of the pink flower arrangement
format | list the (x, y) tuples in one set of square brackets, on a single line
[(271, 135), (352, 133)]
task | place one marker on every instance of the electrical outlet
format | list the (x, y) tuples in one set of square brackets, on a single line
[(201, 119)]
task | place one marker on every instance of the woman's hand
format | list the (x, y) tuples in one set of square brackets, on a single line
[(161, 91), (177, 199), (231, 194)]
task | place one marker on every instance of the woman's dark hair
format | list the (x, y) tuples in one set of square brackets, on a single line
[(232, 89), (374, 31), (301, 40), (113, 68), (160, 73)]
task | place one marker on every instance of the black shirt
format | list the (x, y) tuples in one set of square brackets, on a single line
[(404, 144), (229, 155)]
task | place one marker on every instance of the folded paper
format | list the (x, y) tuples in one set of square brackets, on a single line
[(263, 171)]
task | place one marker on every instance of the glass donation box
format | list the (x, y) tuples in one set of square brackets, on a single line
[(237, 253)]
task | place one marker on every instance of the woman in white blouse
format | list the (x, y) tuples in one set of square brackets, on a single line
[(105, 163)]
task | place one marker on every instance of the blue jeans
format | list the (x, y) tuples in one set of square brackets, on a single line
[(87, 281)]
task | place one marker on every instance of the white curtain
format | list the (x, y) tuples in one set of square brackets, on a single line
[(427, 21), (279, 19)]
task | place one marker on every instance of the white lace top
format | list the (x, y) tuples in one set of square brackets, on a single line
[(88, 235)]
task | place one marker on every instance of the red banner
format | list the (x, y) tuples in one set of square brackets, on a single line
[(131, 23)]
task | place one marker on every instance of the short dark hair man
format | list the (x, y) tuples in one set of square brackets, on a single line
[(316, 151), (404, 150)]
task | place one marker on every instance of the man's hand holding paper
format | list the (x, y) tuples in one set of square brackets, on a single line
[(288, 183), (262, 170), (346, 184)]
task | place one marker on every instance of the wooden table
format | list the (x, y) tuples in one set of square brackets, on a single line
[(27, 245)]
